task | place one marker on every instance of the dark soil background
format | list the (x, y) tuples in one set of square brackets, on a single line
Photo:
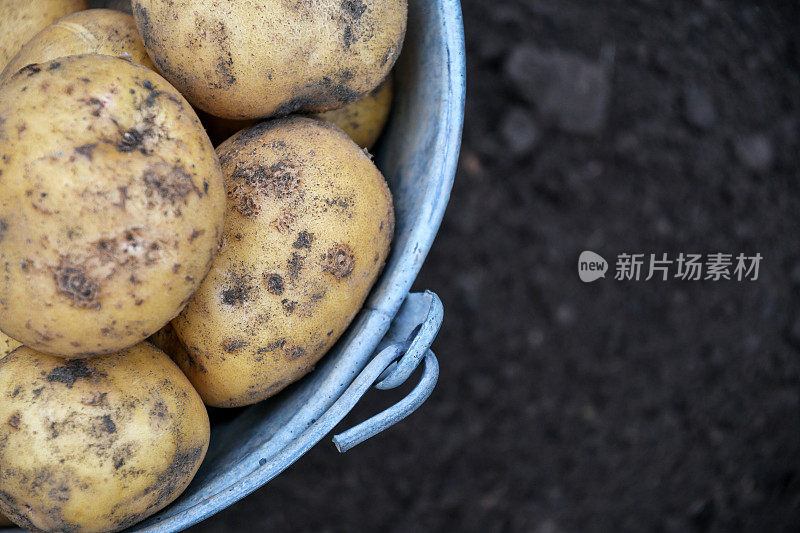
[(644, 126)]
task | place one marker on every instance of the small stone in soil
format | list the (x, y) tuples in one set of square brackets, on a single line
[(568, 90), (519, 131), (699, 108), (754, 152)]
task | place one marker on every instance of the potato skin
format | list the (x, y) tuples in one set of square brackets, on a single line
[(96, 445), (272, 57), (112, 205), (21, 19), (94, 31), (310, 220), (364, 119)]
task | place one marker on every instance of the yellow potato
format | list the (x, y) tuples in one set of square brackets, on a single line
[(364, 119), (94, 31), (112, 205), (272, 57), (21, 19), (308, 229), (99, 444)]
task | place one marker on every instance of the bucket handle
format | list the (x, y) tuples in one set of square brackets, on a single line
[(409, 354)]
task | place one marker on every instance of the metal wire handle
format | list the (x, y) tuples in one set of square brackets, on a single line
[(415, 349), (369, 428)]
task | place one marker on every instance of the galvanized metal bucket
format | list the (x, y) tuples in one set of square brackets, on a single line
[(392, 334)]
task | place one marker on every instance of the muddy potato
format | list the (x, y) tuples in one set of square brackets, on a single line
[(99, 444), (21, 19), (364, 119), (112, 204), (272, 57), (308, 229), (94, 31)]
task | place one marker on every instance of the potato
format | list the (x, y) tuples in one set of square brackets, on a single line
[(364, 119), (94, 31), (21, 19), (98, 444), (112, 205), (308, 229), (272, 57)]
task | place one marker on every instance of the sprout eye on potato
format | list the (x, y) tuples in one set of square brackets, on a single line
[(272, 57), (21, 19), (309, 224), (112, 204), (94, 31), (96, 445)]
